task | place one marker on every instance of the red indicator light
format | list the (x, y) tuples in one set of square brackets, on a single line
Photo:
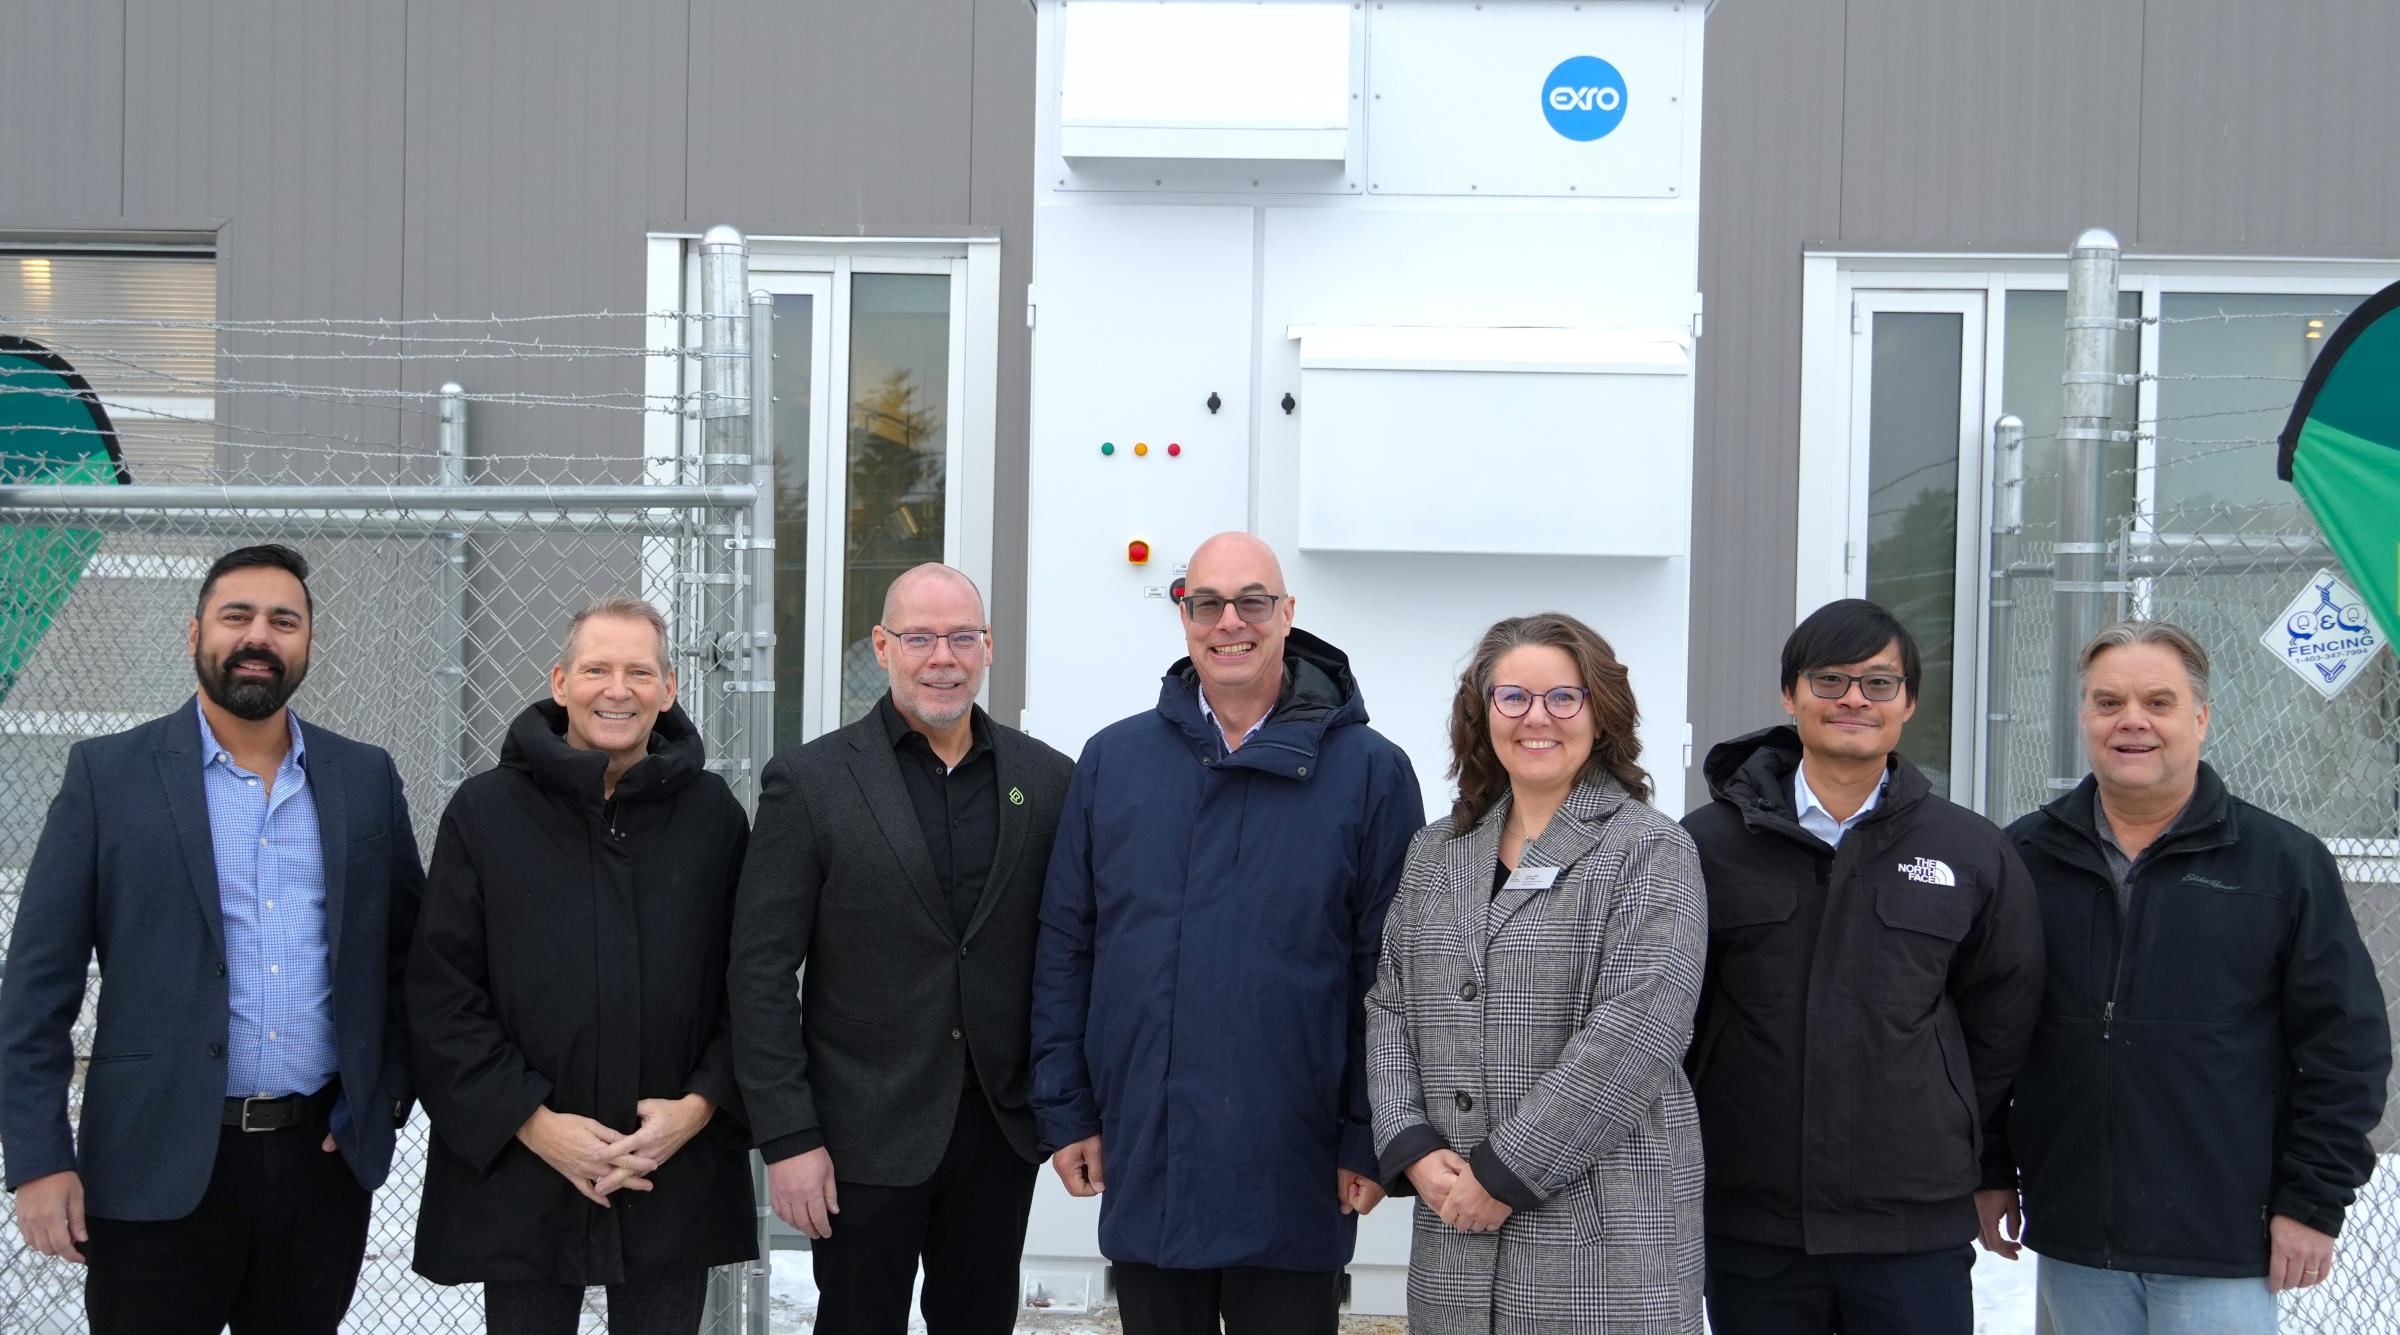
[(1138, 552), (1173, 450)]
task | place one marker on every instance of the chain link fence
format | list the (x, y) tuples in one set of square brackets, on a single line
[(442, 585), (2213, 542)]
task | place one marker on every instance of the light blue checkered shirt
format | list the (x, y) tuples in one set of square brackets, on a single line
[(271, 885)]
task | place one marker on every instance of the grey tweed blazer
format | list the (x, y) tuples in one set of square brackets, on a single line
[(1550, 1025)]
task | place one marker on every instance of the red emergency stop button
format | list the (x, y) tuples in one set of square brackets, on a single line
[(1137, 552)]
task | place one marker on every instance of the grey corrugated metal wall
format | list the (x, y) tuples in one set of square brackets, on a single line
[(2192, 126), (414, 157)]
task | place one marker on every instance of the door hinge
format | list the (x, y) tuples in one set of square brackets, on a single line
[(1857, 325), (1699, 300), (1032, 298), (1849, 557)]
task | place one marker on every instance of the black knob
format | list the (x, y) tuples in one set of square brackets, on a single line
[(1289, 403), (1214, 402), (1465, 1101)]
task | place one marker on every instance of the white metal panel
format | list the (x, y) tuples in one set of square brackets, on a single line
[(1206, 65), (1519, 463), (1458, 100), (1143, 313), (1220, 98), (1408, 619)]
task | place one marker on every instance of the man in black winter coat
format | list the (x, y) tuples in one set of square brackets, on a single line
[(2193, 1117), (566, 1005), (1874, 969)]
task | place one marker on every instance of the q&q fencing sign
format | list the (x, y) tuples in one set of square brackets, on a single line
[(2325, 635)]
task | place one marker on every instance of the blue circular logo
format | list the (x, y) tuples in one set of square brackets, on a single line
[(1584, 98)]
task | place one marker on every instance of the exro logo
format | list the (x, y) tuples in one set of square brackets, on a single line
[(1584, 98)]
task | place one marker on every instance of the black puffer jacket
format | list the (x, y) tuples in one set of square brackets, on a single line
[(571, 954), (2214, 1059), (1864, 1012)]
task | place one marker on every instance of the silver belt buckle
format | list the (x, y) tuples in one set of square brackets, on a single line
[(255, 1098)]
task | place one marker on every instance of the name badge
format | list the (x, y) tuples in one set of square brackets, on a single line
[(1531, 878)]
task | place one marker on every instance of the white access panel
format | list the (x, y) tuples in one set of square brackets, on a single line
[(1431, 440), (1408, 619), (1449, 82), (1140, 315)]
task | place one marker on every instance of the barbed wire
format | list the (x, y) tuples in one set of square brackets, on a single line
[(2228, 317), (401, 399), (304, 323)]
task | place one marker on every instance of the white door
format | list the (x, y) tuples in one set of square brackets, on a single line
[(870, 447)]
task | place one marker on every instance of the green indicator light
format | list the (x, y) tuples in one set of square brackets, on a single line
[(1108, 447)]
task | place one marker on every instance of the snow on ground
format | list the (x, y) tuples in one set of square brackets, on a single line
[(2003, 1304)]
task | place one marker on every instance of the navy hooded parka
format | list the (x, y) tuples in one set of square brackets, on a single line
[(1210, 928)]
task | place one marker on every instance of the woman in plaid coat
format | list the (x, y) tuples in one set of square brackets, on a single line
[(1526, 1031)]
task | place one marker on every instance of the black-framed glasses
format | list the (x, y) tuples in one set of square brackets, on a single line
[(1559, 701), (962, 642), (1206, 608), (1876, 686)]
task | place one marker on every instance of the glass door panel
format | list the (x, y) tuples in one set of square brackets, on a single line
[(1917, 423), (896, 469)]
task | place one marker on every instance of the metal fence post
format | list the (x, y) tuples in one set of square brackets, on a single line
[(451, 596), (759, 628), (714, 574), (2008, 529), (2080, 589), (724, 448)]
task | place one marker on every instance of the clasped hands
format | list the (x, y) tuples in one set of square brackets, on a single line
[(1448, 1184), (599, 1161)]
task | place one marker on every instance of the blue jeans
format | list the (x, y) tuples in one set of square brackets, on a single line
[(2078, 1300)]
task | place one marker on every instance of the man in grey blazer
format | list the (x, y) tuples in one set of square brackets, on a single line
[(901, 860), (249, 883)]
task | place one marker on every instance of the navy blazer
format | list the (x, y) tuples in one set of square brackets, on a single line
[(125, 869)]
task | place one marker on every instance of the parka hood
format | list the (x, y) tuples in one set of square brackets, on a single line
[(537, 744), (1319, 694)]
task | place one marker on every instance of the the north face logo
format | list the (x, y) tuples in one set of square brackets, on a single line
[(1929, 871)]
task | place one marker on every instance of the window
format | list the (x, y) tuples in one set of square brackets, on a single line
[(152, 374)]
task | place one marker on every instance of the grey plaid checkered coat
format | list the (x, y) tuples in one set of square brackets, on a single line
[(1540, 1034)]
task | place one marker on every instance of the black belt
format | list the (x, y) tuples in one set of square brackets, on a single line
[(282, 1114)]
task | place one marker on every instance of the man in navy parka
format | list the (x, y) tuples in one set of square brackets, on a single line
[(1209, 932)]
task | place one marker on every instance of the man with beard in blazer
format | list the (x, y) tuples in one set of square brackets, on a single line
[(249, 882), (900, 859)]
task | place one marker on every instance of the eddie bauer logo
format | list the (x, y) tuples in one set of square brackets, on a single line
[(1929, 871)]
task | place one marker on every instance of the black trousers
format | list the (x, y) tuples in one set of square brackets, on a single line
[(966, 1224), (1248, 1299), (273, 1248), (1755, 1289), (669, 1305)]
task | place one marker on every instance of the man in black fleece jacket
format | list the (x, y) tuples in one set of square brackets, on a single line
[(1873, 976), (2193, 1117)]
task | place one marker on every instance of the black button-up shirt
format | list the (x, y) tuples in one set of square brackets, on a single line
[(958, 808)]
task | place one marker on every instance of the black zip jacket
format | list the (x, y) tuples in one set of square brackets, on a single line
[(1864, 1012), (2216, 1058)]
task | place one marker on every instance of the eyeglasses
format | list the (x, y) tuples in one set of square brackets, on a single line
[(1559, 702), (1876, 686), (962, 642), (1206, 608)]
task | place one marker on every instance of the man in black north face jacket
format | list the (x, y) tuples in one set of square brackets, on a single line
[(2213, 1044), (1874, 969)]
